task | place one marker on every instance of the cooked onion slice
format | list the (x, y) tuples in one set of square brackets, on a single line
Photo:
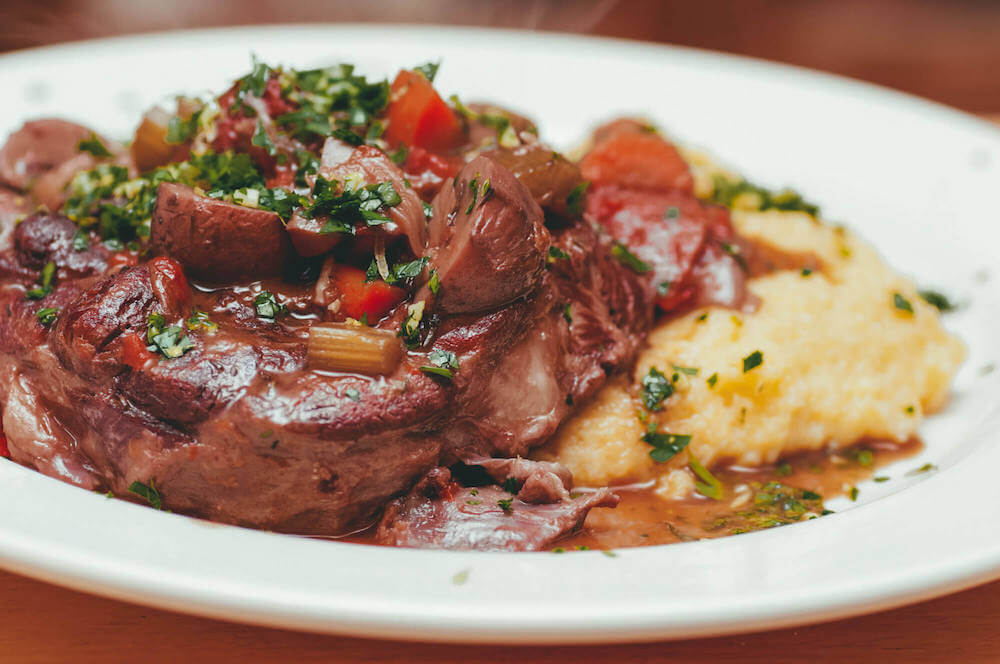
[(341, 347)]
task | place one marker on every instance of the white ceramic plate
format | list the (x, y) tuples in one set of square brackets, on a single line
[(917, 179)]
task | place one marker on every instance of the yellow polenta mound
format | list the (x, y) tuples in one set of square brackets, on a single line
[(841, 362)]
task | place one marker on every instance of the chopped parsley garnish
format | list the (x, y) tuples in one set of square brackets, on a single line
[(737, 254), (94, 146), (180, 130), (267, 305), (255, 82), (346, 207), (655, 387), (167, 340), (864, 457), (506, 504), (45, 281), (47, 316), (709, 486), (784, 470), (262, 140), (663, 288), (434, 284), (199, 320), (567, 312), (752, 361), (712, 380), (665, 445), (806, 272), (429, 70), (672, 212), (80, 240), (853, 493), (743, 194), (774, 504), (555, 253), (444, 359), (902, 303), (627, 258), (398, 273), (687, 371), (938, 300), (909, 410), (880, 478), (926, 468), (511, 485), (409, 331), (577, 198), (353, 394), (399, 155), (149, 493)]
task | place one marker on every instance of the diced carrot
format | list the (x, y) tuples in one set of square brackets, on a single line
[(360, 298), (134, 351), (637, 160), (418, 116)]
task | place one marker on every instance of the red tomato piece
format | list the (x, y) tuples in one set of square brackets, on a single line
[(418, 116), (637, 160), (360, 298), (169, 283), (4, 450), (134, 351)]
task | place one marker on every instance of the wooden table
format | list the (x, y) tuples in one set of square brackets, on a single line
[(44, 623)]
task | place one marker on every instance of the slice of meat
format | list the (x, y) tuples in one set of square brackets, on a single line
[(441, 514), (372, 166), (44, 237), (37, 147), (487, 237), (215, 240), (534, 481)]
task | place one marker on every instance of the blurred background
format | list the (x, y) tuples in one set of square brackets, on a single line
[(946, 50)]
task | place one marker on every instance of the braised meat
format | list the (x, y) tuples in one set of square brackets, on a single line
[(203, 333)]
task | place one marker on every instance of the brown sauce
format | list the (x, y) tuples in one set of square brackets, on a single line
[(645, 519)]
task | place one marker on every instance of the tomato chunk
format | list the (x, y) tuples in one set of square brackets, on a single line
[(360, 298), (169, 283), (637, 160), (418, 116), (134, 351)]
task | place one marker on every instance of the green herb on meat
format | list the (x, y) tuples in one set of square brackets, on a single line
[(149, 493), (199, 320), (511, 485), (353, 394), (434, 284), (555, 253), (343, 208), (47, 315), (627, 258), (567, 312), (576, 199), (506, 504), (45, 283)]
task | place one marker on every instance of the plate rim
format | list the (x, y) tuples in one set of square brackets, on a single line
[(974, 569)]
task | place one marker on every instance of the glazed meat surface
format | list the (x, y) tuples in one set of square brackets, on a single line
[(174, 352)]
